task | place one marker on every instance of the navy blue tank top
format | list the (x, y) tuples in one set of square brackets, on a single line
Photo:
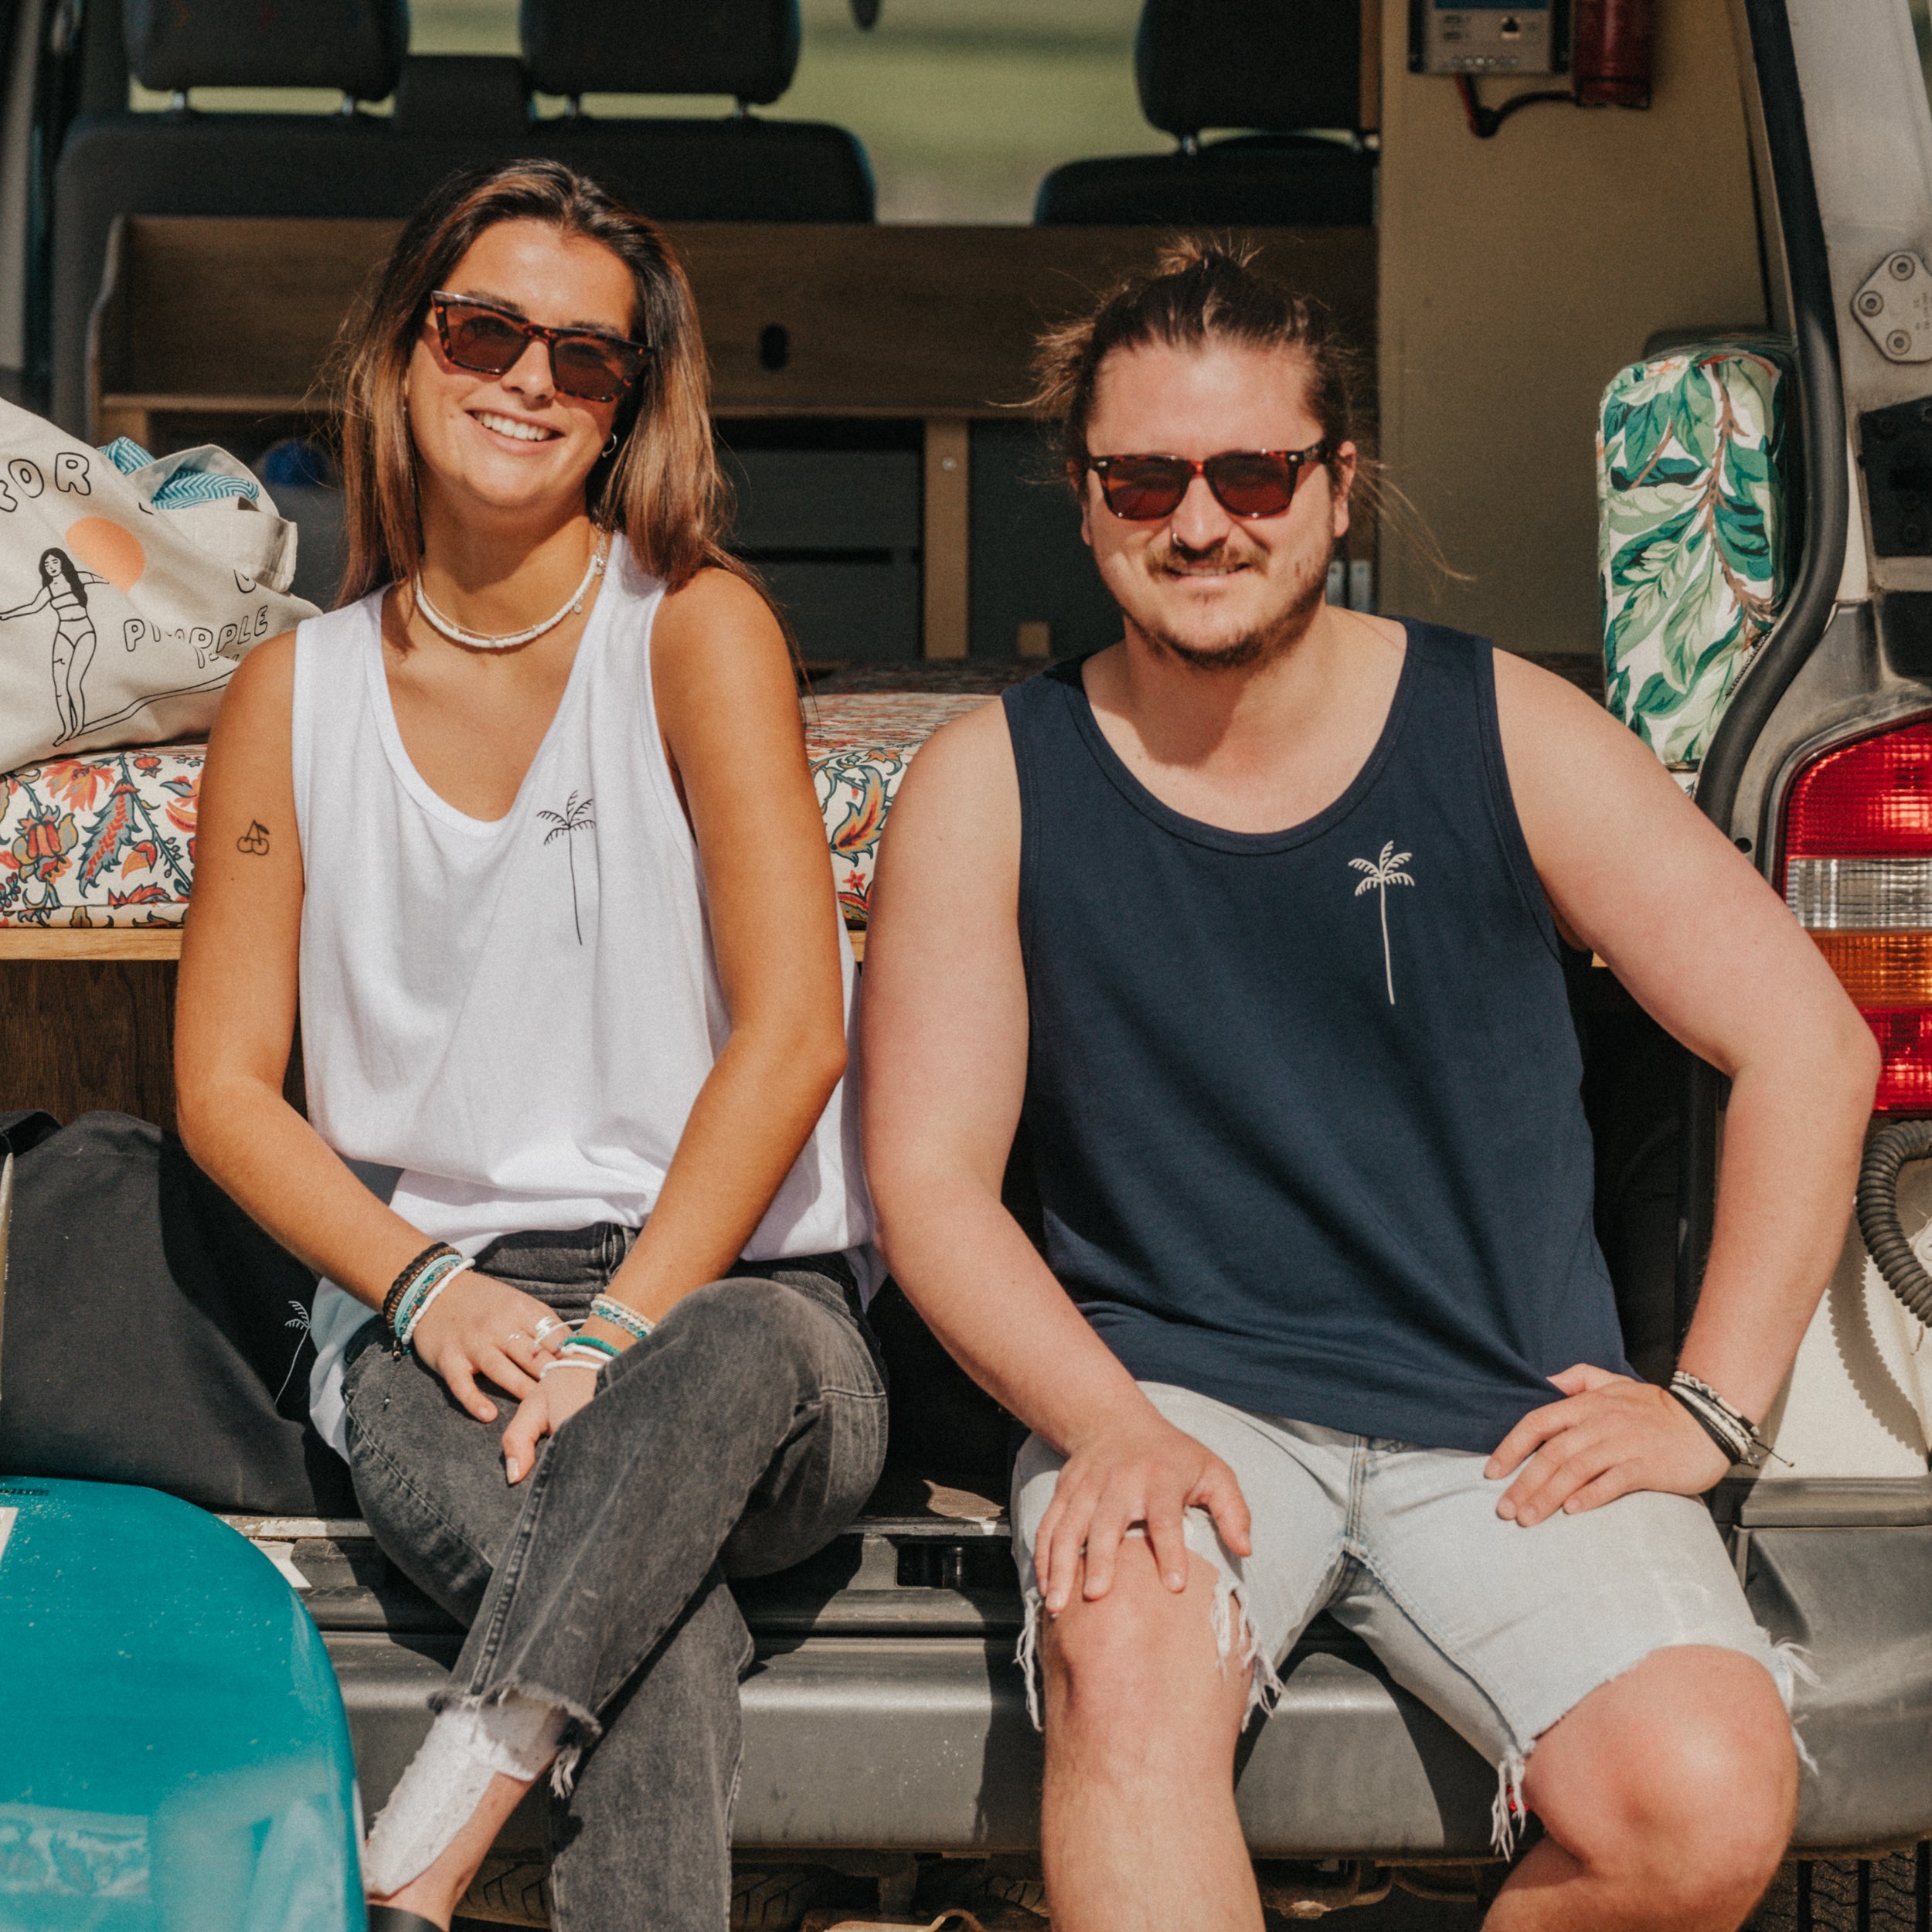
[(1304, 1106)]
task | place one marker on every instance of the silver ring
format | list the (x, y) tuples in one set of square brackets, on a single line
[(516, 1335)]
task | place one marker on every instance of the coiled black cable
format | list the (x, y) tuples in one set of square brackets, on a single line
[(1893, 1148)]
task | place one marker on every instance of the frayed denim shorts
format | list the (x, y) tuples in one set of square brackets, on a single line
[(1499, 1629)]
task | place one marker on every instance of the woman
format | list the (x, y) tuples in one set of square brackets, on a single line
[(63, 586), (528, 826)]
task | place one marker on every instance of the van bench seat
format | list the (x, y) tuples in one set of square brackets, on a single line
[(106, 839)]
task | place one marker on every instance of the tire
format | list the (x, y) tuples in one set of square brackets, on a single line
[(1028, 1894), (1864, 1895), (507, 1891), (774, 1899)]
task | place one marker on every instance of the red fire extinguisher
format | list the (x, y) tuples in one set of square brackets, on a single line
[(1611, 56)]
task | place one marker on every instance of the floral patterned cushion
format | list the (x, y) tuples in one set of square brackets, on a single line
[(860, 746), (109, 839), (1693, 514)]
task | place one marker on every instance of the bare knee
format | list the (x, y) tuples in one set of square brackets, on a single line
[(1681, 1777), (1143, 1662)]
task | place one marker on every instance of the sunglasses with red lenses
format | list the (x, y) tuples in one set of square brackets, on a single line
[(1246, 483), (489, 341)]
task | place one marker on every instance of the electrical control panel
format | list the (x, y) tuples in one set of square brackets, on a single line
[(1450, 37)]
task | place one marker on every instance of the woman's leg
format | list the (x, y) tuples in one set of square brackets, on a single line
[(83, 656), (644, 1839), (750, 1426), (62, 657)]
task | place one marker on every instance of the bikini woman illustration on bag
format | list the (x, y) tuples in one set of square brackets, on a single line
[(63, 587)]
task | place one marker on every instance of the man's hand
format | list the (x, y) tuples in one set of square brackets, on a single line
[(558, 1397), (1145, 1470), (481, 1326), (1612, 1435)]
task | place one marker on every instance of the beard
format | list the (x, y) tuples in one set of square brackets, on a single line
[(1304, 582)]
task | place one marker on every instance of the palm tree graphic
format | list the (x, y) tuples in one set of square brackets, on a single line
[(1384, 872), (565, 825), (298, 1320)]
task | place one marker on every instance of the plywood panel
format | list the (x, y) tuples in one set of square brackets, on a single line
[(1518, 275), (94, 942), (882, 321), (948, 548), (85, 1034)]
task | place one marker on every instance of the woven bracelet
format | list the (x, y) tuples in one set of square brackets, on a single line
[(431, 1283), (1729, 1427), (399, 1287), (620, 1314), (415, 1296), (1735, 1449)]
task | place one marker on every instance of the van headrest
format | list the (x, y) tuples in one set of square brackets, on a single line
[(475, 94), (747, 48), (1273, 64), (357, 46)]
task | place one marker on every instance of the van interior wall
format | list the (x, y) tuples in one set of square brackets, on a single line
[(1517, 274)]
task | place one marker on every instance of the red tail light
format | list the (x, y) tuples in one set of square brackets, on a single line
[(1857, 855)]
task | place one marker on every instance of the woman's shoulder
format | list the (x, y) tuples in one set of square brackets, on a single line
[(717, 624), (714, 596)]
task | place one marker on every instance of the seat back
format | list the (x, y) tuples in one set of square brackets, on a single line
[(741, 168), (1282, 69), (115, 161), (450, 112)]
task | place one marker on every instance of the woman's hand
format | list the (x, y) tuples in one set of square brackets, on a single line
[(558, 1398), (481, 1326), (1612, 1435)]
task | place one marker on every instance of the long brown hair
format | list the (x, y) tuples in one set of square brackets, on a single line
[(661, 486)]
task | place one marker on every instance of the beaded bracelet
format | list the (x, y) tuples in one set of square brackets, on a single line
[(400, 1285), (569, 1362), (430, 1284), (620, 1314), (415, 1296), (604, 1351)]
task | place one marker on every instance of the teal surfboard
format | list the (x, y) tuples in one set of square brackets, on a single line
[(173, 1752)]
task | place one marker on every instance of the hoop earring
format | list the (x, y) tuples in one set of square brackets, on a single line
[(610, 446)]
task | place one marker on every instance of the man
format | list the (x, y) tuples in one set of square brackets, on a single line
[(1255, 918)]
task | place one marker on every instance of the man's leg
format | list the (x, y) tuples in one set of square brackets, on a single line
[(1608, 1663), (1138, 1830), (1667, 1795)]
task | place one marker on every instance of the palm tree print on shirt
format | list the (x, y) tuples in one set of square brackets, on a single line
[(1382, 873), (565, 825)]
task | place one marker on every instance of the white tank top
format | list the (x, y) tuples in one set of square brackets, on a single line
[(518, 1013)]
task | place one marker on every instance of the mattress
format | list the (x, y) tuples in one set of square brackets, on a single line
[(109, 839)]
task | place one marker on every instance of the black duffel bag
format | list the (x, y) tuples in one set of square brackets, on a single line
[(151, 1332)]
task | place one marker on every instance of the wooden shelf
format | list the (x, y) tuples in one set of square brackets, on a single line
[(139, 942), (90, 942)]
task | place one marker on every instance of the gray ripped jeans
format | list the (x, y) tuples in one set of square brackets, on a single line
[(743, 1434)]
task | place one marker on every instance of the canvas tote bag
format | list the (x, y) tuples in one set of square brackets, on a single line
[(120, 621)]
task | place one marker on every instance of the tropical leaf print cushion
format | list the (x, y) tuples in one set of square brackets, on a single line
[(1693, 518)]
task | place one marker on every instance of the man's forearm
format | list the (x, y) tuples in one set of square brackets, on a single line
[(1792, 1135), (968, 1266)]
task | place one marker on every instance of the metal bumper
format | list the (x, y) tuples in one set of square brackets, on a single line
[(922, 1743), (885, 1711)]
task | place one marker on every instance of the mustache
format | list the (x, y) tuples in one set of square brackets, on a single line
[(1170, 552)]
